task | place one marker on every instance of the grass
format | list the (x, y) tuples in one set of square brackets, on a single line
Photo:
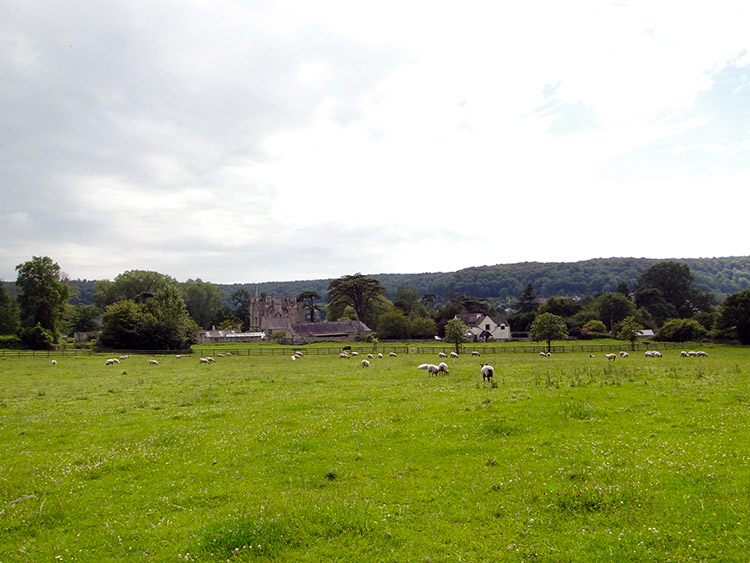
[(264, 459)]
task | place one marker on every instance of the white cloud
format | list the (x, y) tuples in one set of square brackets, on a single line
[(248, 142)]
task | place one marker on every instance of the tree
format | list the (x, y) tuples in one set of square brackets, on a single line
[(734, 316), (8, 312), (308, 299), (241, 299), (160, 322), (133, 285), (393, 325), (358, 291), (456, 332), (561, 306), (82, 318), (613, 307), (43, 294), (548, 327), (527, 302), (682, 330), (203, 301), (629, 330), (423, 327), (672, 282)]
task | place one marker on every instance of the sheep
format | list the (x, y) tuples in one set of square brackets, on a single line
[(370, 356), (393, 355), (380, 356), (475, 353), (112, 361), (454, 355), (624, 354), (203, 361), (487, 372), (178, 357), (355, 353), (210, 359), (125, 357), (652, 354), (54, 362), (153, 362), (220, 355), (610, 357), (298, 354), (701, 354), (432, 369), (365, 364), (344, 356), (293, 357), (442, 355), (545, 354), (443, 367)]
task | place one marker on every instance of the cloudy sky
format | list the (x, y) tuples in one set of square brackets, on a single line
[(259, 140)]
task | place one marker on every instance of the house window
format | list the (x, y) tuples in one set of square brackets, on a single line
[(487, 327), (502, 327)]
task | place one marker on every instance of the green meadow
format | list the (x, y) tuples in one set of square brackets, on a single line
[(261, 458)]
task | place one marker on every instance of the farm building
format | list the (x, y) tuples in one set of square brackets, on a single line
[(213, 336), (485, 328)]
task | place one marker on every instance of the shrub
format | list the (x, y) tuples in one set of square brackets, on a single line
[(10, 341), (682, 330)]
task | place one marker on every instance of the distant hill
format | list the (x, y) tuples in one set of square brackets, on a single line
[(720, 276)]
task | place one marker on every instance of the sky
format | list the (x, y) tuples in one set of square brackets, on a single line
[(251, 141)]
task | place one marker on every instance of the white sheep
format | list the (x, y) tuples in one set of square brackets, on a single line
[(355, 353), (370, 356), (380, 355), (443, 367), (112, 361), (611, 357), (432, 369), (294, 357), (365, 364), (203, 361), (54, 362), (393, 355), (153, 362), (178, 357), (487, 372), (454, 355), (624, 354), (442, 355), (474, 353), (701, 354), (125, 357), (344, 356), (545, 354)]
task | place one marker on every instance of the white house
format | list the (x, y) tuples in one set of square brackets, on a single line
[(485, 328)]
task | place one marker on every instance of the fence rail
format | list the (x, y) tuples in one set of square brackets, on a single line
[(487, 349)]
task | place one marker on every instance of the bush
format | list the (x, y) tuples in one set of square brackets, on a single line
[(37, 338), (682, 330), (11, 342)]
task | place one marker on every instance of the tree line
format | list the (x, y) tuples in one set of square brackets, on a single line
[(149, 310)]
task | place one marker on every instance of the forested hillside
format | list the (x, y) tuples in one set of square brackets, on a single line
[(720, 276)]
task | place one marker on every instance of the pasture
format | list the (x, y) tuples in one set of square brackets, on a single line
[(567, 458)]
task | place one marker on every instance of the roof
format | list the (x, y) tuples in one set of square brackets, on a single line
[(473, 319)]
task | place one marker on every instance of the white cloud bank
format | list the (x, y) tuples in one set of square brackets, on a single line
[(241, 142)]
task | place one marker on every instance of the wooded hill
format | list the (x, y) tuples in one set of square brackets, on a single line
[(719, 276)]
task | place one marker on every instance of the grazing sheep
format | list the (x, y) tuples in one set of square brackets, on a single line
[(178, 356), (112, 361), (54, 362), (355, 353), (624, 354), (380, 355), (545, 354), (442, 355), (344, 356), (701, 354), (432, 369), (443, 367), (652, 354), (475, 353), (370, 356), (487, 372), (365, 364), (153, 362), (220, 355), (393, 355), (298, 354), (592, 356), (203, 361), (454, 355), (125, 357), (294, 357), (210, 359), (611, 357)]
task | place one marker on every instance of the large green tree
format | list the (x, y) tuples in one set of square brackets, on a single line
[(613, 308), (134, 285), (358, 291), (42, 294), (8, 312), (734, 316), (161, 322), (665, 291), (393, 325), (548, 327), (203, 301)]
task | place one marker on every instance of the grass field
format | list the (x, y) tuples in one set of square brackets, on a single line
[(252, 458)]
